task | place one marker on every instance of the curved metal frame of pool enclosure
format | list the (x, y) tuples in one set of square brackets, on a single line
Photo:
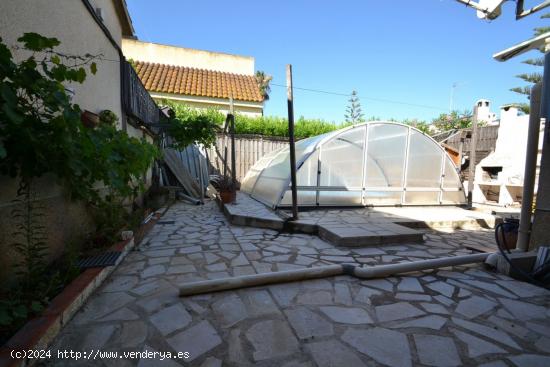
[(363, 189)]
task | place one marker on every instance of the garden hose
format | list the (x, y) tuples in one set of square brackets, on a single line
[(533, 276)]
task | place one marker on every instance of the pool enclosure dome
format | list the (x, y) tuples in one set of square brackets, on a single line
[(376, 163)]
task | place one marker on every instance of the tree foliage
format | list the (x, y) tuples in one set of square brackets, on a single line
[(41, 133), (354, 114), (534, 77), (41, 130), (418, 124), (263, 81), (453, 120), (190, 125)]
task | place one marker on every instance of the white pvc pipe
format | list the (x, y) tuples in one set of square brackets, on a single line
[(377, 271), (381, 271), (224, 284)]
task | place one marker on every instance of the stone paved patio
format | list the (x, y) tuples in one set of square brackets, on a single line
[(449, 317), (359, 227)]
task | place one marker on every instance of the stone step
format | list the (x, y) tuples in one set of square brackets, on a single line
[(369, 235)]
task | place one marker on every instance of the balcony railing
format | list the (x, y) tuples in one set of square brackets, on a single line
[(136, 101)]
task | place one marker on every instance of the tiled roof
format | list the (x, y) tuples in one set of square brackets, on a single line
[(197, 82)]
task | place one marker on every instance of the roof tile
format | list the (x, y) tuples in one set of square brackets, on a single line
[(197, 82)]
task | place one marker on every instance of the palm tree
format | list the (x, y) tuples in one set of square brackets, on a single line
[(263, 83)]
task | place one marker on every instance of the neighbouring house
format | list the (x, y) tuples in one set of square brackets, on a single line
[(484, 114), (200, 79), (83, 27)]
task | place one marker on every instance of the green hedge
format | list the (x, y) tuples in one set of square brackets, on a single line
[(263, 125), (278, 126), (268, 125)]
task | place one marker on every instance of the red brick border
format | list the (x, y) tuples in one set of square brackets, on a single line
[(39, 332)]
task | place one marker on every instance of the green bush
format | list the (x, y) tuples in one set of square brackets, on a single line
[(41, 132), (193, 125), (190, 126)]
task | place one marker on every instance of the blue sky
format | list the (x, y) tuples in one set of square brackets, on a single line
[(399, 50)]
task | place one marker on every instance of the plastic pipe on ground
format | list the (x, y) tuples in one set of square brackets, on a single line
[(378, 271), (260, 279), (190, 199)]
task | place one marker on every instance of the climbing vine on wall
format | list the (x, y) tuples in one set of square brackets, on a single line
[(41, 133)]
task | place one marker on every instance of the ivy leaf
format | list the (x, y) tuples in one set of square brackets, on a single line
[(36, 306), (80, 75), (60, 72), (3, 152), (93, 68), (36, 42), (5, 58), (56, 60), (5, 318), (20, 311), (7, 94), (12, 114)]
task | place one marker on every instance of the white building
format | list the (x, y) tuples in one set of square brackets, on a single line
[(484, 114)]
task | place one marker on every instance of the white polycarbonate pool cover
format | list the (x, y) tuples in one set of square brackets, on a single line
[(375, 163)]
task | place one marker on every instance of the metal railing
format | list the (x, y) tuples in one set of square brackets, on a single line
[(136, 100)]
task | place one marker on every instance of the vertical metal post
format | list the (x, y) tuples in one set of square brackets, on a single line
[(233, 155), (290, 104), (231, 119), (530, 168), (225, 161), (460, 154), (472, 166), (201, 178), (540, 235)]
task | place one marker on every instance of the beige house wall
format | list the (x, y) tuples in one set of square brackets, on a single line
[(180, 56), (70, 22)]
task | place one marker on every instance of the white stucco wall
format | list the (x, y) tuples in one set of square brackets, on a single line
[(70, 22), (180, 56)]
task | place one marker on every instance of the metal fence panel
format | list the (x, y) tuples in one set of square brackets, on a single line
[(248, 150)]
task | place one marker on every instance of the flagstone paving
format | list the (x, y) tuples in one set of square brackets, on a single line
[(455, 316)]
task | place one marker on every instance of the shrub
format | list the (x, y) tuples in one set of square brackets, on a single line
[(41, 132), (192, 125)]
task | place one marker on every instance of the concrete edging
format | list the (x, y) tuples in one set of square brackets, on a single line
[(324, 232)]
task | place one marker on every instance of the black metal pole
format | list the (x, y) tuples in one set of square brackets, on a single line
[(290, 104), (225, 161), (233, 163)]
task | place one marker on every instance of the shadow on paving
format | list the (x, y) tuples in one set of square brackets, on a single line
[(454, 316)]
